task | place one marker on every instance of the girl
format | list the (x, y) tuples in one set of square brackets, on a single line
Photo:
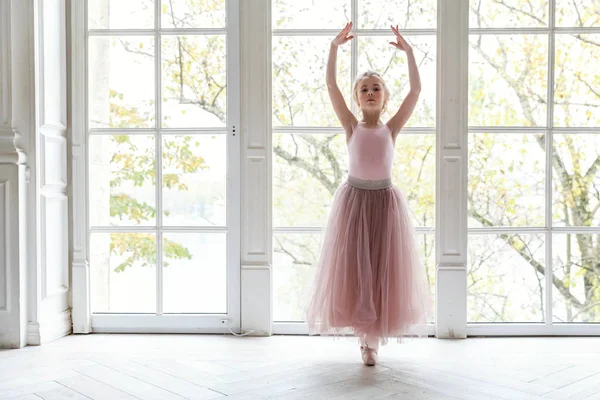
[(369, 277)]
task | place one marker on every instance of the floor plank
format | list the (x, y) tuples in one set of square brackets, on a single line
[(126, 367)]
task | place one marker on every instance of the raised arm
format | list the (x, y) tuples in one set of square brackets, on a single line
[(347, 119), (410, 101)]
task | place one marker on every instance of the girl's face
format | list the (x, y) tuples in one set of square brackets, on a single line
[(371, 94)]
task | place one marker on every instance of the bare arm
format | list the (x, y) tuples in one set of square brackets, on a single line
[(347, 119), (410, 101)]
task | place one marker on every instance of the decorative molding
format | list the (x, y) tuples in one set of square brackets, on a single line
[(81, 313), (451, 168), (53, 131), (452, 103), (54, 246), (256, 300), (49, 284), (48, 330), (5, 293), (256, 84), (5, 68), (256, 238), (452, 76), (54, 169), (452, 191), (16, 121), (79, 203), (449, 267), (52, 64), (451, 308), (256, 124), (77, 68), (257, 267), (13, 239), (80, 268), (10, 149)]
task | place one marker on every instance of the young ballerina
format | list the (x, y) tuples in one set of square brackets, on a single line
[(369, 277)]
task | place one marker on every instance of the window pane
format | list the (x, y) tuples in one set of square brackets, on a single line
[(376, 54), (295, 259), (577, 93), (506, 180), (508, 80), (576, 291), (307, 171), (194, 81), (122, 180), (300, 96), (123, 272), (121, 82), (407, 14), (414, 174), (426, 243), (577, 13), (195, 272), (194, 180), (119, 14), (505, 280), (576, 179), (193, 14), (508, 13), (308, 14)]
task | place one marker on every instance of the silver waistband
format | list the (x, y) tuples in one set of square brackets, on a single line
[(368, 184)]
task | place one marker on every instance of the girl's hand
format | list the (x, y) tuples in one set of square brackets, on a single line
[(343, 37), (400, 43)]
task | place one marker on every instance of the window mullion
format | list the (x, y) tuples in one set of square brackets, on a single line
[(549, 146), (158, 155)]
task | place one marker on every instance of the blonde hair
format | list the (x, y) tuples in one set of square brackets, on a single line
[(365, 75)]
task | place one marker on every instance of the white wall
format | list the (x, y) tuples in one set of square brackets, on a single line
[(15, 131), (34, 237), (49, 310)]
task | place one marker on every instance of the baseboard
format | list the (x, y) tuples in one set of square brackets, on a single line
[(50, 329)]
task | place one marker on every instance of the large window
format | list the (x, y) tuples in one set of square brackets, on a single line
[(163, 163), (160, 157), (309, 150), (534, 161)]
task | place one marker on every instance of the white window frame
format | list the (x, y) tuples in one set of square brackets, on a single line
[(84, 321), (280, 327), (452, 232), (548, 327), (452, 130)]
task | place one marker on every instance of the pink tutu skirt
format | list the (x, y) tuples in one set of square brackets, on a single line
[(369, 276)]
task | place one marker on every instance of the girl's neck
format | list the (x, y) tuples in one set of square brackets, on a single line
[(371, 122)]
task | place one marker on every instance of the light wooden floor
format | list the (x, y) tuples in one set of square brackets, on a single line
[(296, 367)]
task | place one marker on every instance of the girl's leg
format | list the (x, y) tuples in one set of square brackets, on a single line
[(369, 341)]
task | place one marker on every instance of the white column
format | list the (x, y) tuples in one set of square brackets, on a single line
[(16, 113), (451, 169), (80, 269), (256, 278), (49, 280)]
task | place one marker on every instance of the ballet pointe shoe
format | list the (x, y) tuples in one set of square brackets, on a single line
[(369, 355), (368, 349)]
